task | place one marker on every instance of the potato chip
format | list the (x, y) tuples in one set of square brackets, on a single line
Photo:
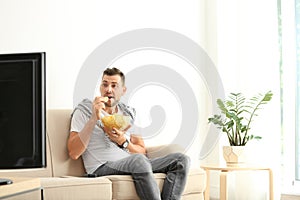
[(116, 120), (105, 99)]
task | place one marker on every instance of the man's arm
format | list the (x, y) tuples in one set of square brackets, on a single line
[(78, 142), (136, 144), (75, 146)]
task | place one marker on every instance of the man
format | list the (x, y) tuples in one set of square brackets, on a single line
[(121, 152)]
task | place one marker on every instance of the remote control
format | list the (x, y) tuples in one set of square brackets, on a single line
[(5, 181)]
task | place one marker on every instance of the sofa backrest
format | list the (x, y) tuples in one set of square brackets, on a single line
[(58, 127)]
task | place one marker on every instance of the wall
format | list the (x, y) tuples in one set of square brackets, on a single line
[(70, 30)]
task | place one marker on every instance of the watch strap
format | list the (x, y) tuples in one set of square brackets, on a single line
[(124, 145)]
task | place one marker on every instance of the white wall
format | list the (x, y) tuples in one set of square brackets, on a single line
[(70, 30)]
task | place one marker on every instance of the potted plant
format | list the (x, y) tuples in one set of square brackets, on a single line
[(235, 119)]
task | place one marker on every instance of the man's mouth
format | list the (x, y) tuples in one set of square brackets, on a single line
[(110, 97)]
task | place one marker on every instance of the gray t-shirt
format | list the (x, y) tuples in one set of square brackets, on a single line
[(100, 148)]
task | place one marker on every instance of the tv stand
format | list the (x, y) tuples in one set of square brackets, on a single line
[(21, 188)]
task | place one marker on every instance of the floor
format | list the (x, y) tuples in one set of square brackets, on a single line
[(283, 197), (289, 197)]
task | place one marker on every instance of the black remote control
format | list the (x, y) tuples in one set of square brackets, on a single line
[(5, 181)]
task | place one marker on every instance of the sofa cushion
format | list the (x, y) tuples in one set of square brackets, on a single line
[(163, 150), (123, 186), (76, 188)]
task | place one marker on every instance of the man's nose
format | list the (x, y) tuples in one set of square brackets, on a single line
[(109, 88)]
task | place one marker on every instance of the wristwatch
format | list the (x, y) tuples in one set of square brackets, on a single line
[(125, 144)]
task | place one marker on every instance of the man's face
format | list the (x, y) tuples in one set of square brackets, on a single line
[(113, 88)]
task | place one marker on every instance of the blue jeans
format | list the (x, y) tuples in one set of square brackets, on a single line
[(175, 166)]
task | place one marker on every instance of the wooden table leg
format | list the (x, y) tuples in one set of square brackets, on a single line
[(206, 192), (223, 185), (271, 191)]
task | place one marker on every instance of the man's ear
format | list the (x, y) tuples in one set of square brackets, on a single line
[(124, 89)]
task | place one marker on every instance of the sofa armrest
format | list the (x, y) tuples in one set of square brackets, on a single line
[(159, 151)]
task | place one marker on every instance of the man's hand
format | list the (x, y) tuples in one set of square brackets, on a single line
[(136, 142), (98, 105), (115, 135)]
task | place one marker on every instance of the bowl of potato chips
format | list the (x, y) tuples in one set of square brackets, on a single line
[(117, 121)]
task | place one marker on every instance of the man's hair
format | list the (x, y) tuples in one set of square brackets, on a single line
[(114, 71)]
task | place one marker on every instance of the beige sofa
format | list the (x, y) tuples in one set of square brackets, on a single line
[(63, 177)]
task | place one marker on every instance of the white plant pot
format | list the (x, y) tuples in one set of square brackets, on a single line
[(234, 155)]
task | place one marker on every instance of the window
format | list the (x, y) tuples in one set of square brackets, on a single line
[(297, 136), (289, 34)]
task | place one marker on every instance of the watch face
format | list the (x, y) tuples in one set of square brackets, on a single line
[(125, 145)]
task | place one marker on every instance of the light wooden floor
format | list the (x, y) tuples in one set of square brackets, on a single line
[(289, 197), (283, 197)]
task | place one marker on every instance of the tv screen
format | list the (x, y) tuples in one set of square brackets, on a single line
[(22, 111)]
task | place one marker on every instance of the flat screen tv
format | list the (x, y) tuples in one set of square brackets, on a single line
[(22, 111)]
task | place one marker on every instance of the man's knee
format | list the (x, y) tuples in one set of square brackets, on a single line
[(183, 161), (141, 163), (139, 157)]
